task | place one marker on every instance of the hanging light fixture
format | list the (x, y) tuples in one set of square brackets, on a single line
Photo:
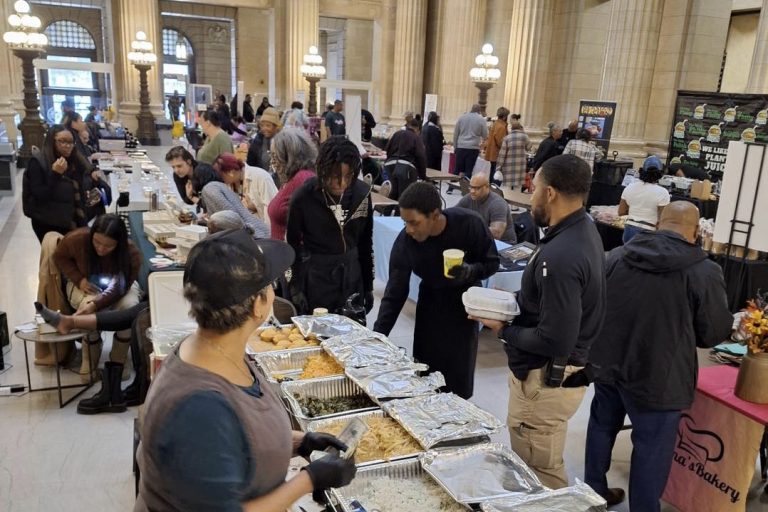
[(181, 50)]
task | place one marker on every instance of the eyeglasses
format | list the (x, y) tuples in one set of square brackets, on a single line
[(65, 142), (481, 187)]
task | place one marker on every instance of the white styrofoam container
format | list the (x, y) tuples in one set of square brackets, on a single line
[(159, 217), (167, 305), (159, 231), (488, 303), (192, 232)]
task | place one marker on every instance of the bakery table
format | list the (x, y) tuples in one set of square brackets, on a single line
[(146, 248), (385, 232), (719, 439)]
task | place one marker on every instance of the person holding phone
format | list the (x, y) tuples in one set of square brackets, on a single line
[(100, 267)]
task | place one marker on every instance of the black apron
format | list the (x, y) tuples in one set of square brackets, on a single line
[(445, 339)]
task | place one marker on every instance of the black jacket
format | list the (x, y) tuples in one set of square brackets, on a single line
[(254, 158), (49, 197), (320, 242), (665, 298), (248, 114), (432, 137), (562, 300), (407, 145), (548, 148)]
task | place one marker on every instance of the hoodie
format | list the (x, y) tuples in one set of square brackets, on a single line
[(665, 298)]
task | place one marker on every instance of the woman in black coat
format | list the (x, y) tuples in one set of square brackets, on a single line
[(432, 136), (56, 184)]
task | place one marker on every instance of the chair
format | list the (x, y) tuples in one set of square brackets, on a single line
[(283, 310), (386, 191), (386, 188), (497, 190), (464, 185), (368, 179)]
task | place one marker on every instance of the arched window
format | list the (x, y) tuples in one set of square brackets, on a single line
[(178, 64), (71, 42)]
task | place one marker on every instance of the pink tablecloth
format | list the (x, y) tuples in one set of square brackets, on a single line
[(717, 382)]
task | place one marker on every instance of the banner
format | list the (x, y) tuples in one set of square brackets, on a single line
[(598, 115), (714, 458), (705, 122)]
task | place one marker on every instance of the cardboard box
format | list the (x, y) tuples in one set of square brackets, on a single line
[(192, 232), (158, 217)]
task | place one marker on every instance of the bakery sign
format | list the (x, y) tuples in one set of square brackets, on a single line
[(713, 461), (705, 122)]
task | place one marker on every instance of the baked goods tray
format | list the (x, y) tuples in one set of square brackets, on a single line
[(284, 365), (407, 469), (325, 388), (479, 473), (443, 419), (321, 425)]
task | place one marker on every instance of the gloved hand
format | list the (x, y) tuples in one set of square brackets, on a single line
[(577, 379), (368, 301), (331, 471), (464, 273), (300, 301), (318, 441)]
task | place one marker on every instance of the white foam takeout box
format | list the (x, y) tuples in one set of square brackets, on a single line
[(488, 303)]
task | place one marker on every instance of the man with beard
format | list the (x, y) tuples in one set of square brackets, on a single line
[(562, 305)]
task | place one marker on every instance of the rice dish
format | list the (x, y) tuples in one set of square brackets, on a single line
[(413, 494)]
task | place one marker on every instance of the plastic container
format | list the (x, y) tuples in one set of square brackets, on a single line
[(489, 303)]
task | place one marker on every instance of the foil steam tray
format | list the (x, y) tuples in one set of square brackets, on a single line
[(480, 473), (329, 387), (284, 365), (327, 326), (398, 380), (577, 498), (361, 349)]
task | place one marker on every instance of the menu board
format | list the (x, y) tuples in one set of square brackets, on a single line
[(598, 116), (706, 122)]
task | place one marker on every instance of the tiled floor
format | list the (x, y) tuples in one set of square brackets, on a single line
[(55, 459)]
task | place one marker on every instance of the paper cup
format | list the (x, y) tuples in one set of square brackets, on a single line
[(452, 258)]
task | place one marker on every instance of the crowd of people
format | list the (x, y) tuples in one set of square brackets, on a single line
[(297, 213)]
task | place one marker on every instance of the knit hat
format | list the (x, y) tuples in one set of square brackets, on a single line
[(652, 162), (271, 115)]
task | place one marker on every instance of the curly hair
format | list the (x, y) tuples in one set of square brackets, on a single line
[(220, 320), (335, 151), (294, 151)]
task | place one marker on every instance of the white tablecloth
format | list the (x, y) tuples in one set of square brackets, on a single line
[(385, 231)]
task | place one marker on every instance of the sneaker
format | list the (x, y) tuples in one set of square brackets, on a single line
[(614, 496)]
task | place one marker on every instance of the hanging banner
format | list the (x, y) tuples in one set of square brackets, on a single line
[(705, 122), (598, 116)]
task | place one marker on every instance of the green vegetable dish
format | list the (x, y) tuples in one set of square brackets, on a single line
[(313, 407)]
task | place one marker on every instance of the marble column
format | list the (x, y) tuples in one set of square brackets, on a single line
[(10, 83), (132, 16), (301, 32), (410, 45), (528, 60), (632, 40), (758, 73), (460, 37)]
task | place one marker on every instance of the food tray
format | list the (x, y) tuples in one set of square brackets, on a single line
[(326, 326), (443, 419), (287, 363), (479, 473), (403, 469), (329, 387), (577, 498), (256, 345), (319, 425), (361, 349)]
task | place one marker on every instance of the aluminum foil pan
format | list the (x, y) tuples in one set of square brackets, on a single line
[(401, 380), (330, 387), (479, 473), (358, 350), (577, 498), (321, 425), (442, 419), (409, 469), (326, 326), (284, 365)]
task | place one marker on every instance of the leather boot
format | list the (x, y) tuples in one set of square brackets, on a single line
[(119, 354), (91, 356), (110, 396)]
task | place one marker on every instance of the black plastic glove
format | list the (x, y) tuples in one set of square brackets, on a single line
[(331, 471), (464, 273), (319, 441), (581, 378), (368, 301)]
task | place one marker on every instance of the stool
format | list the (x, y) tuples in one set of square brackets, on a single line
[(54, 339)]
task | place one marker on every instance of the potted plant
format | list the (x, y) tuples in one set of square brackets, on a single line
[(752, 382)]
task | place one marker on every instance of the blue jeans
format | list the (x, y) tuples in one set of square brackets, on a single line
[(653, 441), (630, 231)]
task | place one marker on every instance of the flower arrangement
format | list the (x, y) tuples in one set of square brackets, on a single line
[(754, 324)]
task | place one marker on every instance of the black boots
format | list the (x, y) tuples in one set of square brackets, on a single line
[(110, 396)]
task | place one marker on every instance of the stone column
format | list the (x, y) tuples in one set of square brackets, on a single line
[(410, 45), (301, 32), (10, 82), (758, 73), (130, 17), (528, 60), (459, 38), (633, 37)]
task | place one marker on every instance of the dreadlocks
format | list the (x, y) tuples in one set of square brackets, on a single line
[(335, 151)]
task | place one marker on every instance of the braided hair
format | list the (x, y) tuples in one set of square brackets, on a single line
[(335, 151)]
